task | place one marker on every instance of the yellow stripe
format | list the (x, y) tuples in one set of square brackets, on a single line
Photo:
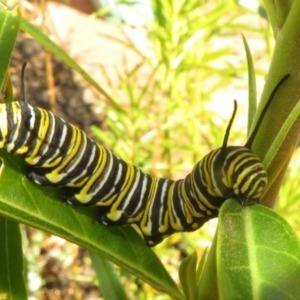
[(16, 120), (172, 216), (114, 213), (53, 163), (79, 183), (211, 177), (186, 205), (54, 160), (201, 200), (139, 209), (189, 208), (74, 182), (135, 219), (3, 123), (165, 225), (16, 117), (17, 123), (233, 165), (244, 159), (42, 133), (207, 168), (243, 188), (56, 175), (84, 196), (146, 224), (257, 190)]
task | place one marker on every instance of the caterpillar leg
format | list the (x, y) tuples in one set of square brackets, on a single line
[(152, 241), (68, 195), (105, 220), (37, 175)]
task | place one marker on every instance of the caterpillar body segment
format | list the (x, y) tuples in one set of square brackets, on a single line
[(60, 154)]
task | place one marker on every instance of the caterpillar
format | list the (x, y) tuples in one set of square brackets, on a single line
[(60, 154)]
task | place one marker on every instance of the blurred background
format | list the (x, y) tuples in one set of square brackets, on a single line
[(175, 68)]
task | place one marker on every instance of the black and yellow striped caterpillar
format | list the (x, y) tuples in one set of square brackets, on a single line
[(62, 155)]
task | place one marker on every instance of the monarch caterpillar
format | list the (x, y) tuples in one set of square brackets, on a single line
[(60, 154)]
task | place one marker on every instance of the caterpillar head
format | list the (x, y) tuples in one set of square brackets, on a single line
[(243, 174), (243, 171)]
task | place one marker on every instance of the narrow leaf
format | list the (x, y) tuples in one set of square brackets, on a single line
[(109, 282), (187, 275), (252, 86), (12, 281), (9, 96), (201, 265), (9, 27), (207, 287)]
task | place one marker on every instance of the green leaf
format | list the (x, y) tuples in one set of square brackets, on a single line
[(252, 86), (187, 275), (207, 287), (277, 12), (109, 282), (9, 95), (12, 281), (258, 254), (201, 265), (42, 208), (9, 27)]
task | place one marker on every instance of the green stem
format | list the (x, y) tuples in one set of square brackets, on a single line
[(286, 60)]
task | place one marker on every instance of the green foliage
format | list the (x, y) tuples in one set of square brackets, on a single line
[(122, 245), (188, 276), (252, 101), (154, 123), (159, 128), (12, 281), (9, 25), (258, 254), (255, 263), (255, 255), (277, 12), (284, 61), (108, 279)]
